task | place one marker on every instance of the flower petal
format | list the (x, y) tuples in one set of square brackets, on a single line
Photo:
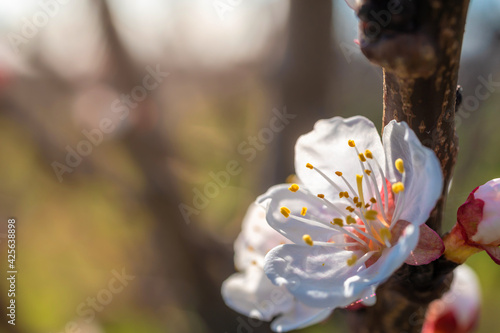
[(391, 259), (424, 179), (488, 230), (313, 274), (429, 247), (293, 228), (493, 252), (252, 294), (255, 239), (299, 317), (326, 148)]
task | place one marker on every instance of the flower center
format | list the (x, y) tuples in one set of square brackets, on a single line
[(369, 214)]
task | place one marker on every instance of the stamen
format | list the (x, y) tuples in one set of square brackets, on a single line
[(350, 220), (355, 199), (368, 172), (350, 209), (331, 182), (368, 205), (309, 165), (386, 236), (386, 192), (373, 200), (362, 157), (400, 165), (341, 195), (346, 194), (366, 234), (338, 173), (359, 204), (294, 188), (330, 204), (308, 240), (333, 244), (398, 187), (352, 260), (348, 184), (368, 154), (350, 234), (377, 192), (285, 211), (399, 203), (338, 221), (322, 196), (371, 215), (303, 211), (364, 258), (351, 143), (359, 181)]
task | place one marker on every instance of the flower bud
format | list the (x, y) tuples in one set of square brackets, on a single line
[(458, 310), (478, 225)]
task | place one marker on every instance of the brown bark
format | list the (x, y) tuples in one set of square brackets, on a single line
[(419, 50)]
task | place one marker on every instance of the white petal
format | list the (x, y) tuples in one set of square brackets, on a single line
[(424, 180), (299, 317), (293, 228), (314, 274), (255, 239), (252, 294), (326, 148), (391, 259), (488, 230), (369, 297)]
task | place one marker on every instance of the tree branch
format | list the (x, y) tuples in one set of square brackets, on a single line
[(418, 45)]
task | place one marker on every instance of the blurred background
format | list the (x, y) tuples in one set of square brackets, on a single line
[(115, 115)]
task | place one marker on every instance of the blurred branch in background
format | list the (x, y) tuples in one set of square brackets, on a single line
[(306, 76)]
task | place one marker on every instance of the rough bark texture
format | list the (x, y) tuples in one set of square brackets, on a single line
[(418, 44)]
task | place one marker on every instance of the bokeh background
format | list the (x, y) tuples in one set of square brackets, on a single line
[(230, 63)]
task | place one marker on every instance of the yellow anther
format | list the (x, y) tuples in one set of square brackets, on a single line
[(398, 187), (352, 260), (400, 165), (385, 234), (309, 165), (355, 199), (308, 240), (285, 211), (323, 264), (368, 172), (350, 220), (322, 196), (341, 195), (367, 205), (373, 200), (362, 157), (371, 214), (368, 154), (303, 211), (351, 143), (350, 209), (359, 204), (338, 173), (294, 188), (346, 194), (338, 221)]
